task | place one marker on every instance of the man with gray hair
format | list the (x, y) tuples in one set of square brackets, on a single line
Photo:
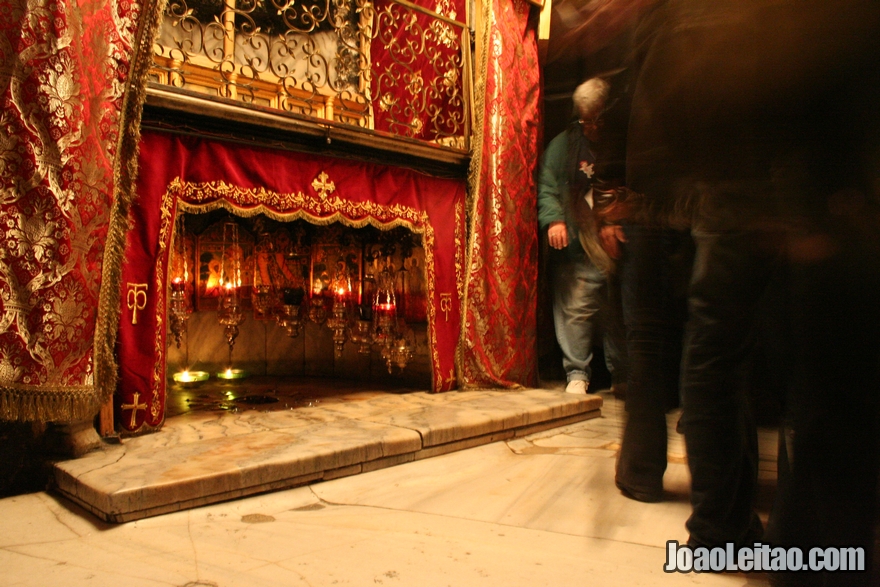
[(577, 265)]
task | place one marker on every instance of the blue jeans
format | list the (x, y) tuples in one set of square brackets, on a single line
[(583, 305)]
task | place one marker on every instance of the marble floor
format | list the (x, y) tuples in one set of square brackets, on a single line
[(295, 432), (539, 509)]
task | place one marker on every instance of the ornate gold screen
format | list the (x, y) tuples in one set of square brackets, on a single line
[(390, 66)]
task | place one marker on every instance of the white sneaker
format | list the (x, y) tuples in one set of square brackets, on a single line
[(576, 386)]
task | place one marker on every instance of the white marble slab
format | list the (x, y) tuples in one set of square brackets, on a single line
[(444, 418), (207, 457), (119, 482), (570, 492)]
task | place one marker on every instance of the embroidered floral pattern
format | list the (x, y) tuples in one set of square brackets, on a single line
[(63, 67), (498, 336)]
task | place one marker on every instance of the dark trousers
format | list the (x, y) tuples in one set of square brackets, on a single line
[(829, 458), (830, 454), (731, 272), (653, 278)]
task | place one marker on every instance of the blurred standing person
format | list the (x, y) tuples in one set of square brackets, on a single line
[(653, 270), (756, 123), (577, 264)]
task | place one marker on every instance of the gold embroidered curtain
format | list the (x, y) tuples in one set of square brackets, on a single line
[(499, 324), (70, 86)]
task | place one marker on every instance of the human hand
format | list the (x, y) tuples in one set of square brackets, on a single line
[(610, 237), (558, 235)]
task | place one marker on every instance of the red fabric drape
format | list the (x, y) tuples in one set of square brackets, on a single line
[(63, 71), (200, 171), (499, 330)]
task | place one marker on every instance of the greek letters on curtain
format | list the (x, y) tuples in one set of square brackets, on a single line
[(499, 326), (71, 80)]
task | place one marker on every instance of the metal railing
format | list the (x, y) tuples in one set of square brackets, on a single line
[(384, 65)]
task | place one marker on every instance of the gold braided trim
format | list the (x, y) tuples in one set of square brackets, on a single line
[(460, 277), (460, 238), (143, 429), (252, 201), (480, 106), (125, 176), (474, 179), (38, 404)]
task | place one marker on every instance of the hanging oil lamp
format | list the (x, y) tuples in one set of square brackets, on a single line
[(230, 312), (339, 320), (384, 307), (290, 314), (179, 306), (263, 296)]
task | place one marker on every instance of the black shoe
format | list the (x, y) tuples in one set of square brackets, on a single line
[(650, 496)]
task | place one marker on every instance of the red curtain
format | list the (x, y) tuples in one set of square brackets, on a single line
[(200, 171), (69, 109), (499, 329)]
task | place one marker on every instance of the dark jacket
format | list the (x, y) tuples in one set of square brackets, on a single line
[(565, 177), (745, 109)]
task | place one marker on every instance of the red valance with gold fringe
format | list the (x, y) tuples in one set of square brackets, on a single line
[(178, 171)]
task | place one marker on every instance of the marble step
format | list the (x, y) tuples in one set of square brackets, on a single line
[(202, 458)]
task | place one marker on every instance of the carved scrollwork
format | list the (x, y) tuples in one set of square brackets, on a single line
[(328, 59)]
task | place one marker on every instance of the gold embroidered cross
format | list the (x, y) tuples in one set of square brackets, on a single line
[(134, 406), (322, 186)]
